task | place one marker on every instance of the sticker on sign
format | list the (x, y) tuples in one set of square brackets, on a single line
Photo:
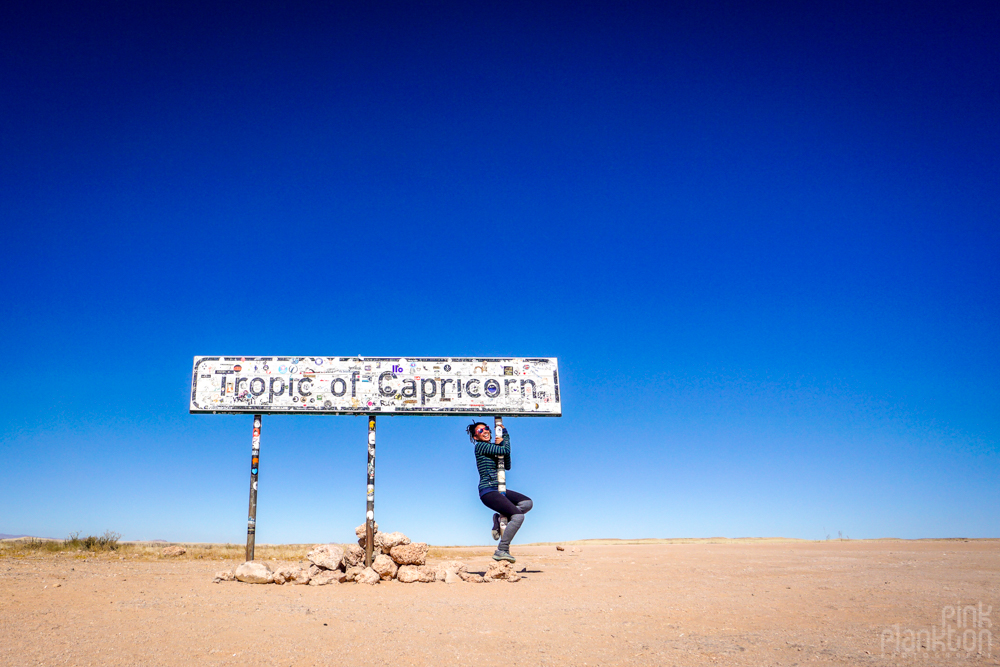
[(516, 386)]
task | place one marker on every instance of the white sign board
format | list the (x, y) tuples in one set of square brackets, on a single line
[(520, 387)]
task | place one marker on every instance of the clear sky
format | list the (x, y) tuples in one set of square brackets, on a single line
[(762, 241)]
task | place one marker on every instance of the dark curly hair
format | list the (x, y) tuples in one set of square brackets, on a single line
[(471, 430)]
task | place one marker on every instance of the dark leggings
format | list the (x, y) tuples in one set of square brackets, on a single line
[(513, 506), (506, 505)]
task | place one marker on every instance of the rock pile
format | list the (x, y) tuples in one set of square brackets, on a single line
[(500, 571), (393, 557)]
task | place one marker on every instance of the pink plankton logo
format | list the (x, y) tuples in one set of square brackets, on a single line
[(965, 631)]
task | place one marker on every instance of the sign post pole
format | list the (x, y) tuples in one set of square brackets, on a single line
[(501, 473), (252, 513), (370, 509)]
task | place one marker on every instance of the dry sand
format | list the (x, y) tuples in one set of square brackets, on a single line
[(686, 603)]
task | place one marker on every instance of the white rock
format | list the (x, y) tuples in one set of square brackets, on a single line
[(390, 540), (326, 556), (441, 570), (224, 575), (410, 554), (293, 575), (301, 576), (353, 555), (254, 573), (409, 574), (326, 577), (367, 576), (499, 570), (385, 566)]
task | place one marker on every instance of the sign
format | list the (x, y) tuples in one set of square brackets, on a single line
[(520, 387)]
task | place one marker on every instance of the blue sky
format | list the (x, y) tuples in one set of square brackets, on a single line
[(762, 242)]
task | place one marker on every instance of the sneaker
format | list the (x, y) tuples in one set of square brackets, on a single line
[(503, 555), (496, 527)]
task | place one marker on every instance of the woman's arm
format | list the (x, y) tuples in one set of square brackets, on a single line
[(491, 449)]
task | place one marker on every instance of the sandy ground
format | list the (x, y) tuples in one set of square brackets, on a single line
[(732, 603)]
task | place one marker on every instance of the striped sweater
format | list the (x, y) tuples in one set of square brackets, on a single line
[(486, 462)]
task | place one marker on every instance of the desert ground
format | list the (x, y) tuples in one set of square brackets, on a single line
[(648, 602)]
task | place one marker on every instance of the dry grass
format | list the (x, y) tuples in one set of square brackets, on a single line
[(95, 548), (232, 552), (74, 543), (448, 553)]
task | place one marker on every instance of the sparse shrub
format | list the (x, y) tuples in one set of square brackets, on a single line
[(106, 542), (32, 544)]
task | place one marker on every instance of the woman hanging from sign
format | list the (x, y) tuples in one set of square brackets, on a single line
[(512, 505)]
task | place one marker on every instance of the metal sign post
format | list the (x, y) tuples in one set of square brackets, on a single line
[(501, 473), (252, 513), (370, 509)]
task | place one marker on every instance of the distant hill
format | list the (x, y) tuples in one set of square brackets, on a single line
[(5, 536)]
